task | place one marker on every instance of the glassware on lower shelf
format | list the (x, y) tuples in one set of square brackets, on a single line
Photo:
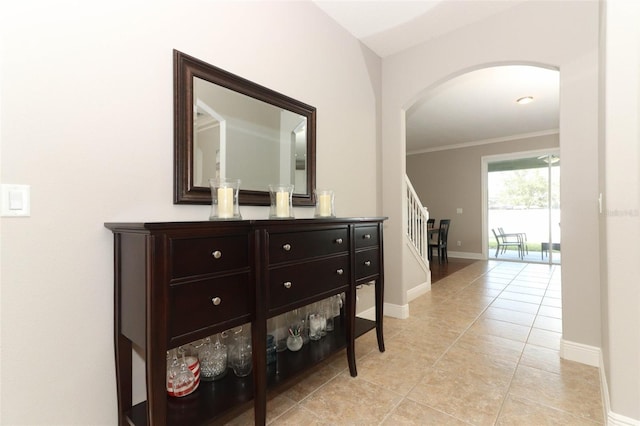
[(315, 326), (233, 339), (294, 341), (183, 374), (322, 310), (280, 332), (213, 359), (242, 362), (173, 367), (272, 356), (332, 310)]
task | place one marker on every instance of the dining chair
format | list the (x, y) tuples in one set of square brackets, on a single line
[(431, 224), (441, 243)]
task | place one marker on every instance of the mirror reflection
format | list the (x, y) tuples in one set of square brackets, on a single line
[(236, 136), (229, 127)]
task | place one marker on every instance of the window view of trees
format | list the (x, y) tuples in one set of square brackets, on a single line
[(518, 198), (523, 189)]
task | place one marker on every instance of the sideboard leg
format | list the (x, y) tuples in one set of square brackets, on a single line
[(351, 330), (123, 376), (379, 313), (379, 294), (259, 331)]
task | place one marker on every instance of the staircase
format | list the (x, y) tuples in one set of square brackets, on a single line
[(417, 216)]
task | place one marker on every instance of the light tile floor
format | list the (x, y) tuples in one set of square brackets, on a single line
[(481, 348), (530, 256)]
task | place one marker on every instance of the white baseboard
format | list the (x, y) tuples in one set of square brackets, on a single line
[(614, 419), (418, 291), (466, 255), (396, 311), (369, 314), (611, 418), (390, 310), (579, 352), (592, 355), (604, 388)]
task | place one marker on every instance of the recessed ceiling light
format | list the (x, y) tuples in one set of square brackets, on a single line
[(525, 100)]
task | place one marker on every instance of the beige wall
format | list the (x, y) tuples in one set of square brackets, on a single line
[(620, 219), (565, 36), (87, 121), (568, 38), (450, 179)]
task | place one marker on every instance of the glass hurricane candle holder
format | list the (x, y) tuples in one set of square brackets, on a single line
[(224, 199), (324, 203), (281, 201)]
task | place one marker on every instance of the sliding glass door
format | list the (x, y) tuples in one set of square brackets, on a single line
[(523, 207)]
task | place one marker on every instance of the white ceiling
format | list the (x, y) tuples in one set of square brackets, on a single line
[(476, 107), (390, 26), (480, 106)]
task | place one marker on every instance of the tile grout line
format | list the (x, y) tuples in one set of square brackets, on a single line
[(511, 281), (405, 397), (462, 333), (515, 370), (471, 277)]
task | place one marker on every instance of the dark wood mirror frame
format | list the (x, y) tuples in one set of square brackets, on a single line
[(184, 190)]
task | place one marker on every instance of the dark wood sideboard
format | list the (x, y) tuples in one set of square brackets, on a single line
[(167, 275)]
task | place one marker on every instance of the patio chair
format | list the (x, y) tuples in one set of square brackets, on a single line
[(521, 235), (544, 248), (505, 241)]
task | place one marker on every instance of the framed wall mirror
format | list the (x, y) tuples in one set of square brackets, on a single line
[(228, 127)]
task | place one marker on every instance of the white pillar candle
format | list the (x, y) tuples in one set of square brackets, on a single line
[(225, 202), (282, 204), (325, 204)]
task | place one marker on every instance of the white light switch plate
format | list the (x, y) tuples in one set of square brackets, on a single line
[(15, 200)]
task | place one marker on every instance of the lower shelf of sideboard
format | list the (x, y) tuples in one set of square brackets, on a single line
[(213, 400)]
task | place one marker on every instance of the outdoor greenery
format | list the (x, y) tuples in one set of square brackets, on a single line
[(524, 189), (530, 246)]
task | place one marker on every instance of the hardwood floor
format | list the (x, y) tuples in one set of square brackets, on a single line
[(441, 270)]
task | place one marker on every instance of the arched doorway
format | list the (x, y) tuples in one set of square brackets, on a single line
[(452, 125)]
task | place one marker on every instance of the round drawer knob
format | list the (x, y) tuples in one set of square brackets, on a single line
[(287, 284), (216, 301), (340, 271), (216, 254), (339, 241), (367, 263), (367, 236), (286, 247)]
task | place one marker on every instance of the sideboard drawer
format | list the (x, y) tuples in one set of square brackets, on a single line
[(199, 304), (302, 281), (366, 236), (196, 256), (300, 245), (367, 263)]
